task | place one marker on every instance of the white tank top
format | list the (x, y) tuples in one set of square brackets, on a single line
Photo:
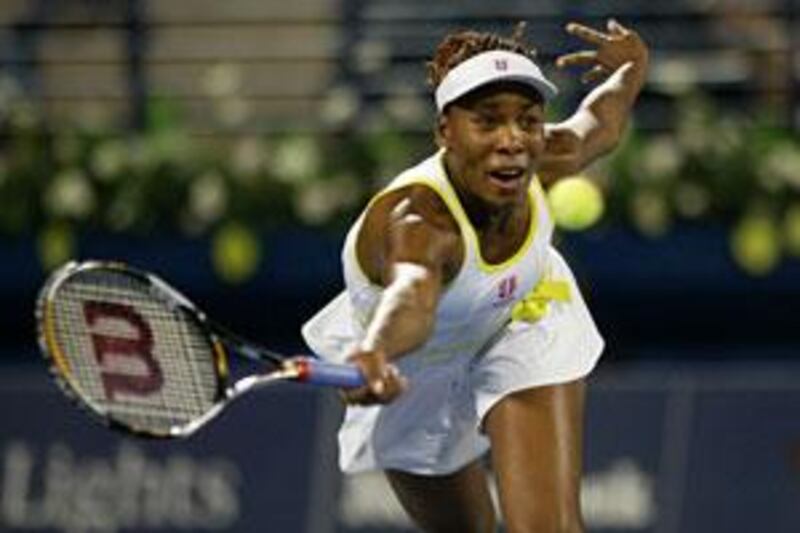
[(479, 299)]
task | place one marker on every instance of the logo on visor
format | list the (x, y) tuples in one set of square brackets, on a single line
[(501, 64)]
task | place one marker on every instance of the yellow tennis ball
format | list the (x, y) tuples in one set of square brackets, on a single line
[(55, 244), (235, 253), (755, 244), (576, 203)]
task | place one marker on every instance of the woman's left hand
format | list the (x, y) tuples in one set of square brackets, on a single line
[(614, 48)]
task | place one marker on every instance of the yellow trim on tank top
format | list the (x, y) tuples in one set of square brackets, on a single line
[(524, 247), (465, 226), (543, 195), (463, 221)]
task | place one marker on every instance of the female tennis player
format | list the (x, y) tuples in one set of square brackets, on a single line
[(467, 324)]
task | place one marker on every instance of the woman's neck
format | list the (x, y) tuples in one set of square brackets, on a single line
[(485, 217)]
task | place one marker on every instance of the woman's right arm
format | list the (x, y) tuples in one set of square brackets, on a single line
[(409, 249)]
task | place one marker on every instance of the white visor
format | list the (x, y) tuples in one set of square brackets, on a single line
[(491, 67)]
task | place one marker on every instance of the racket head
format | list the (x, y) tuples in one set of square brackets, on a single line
[(130, 349)]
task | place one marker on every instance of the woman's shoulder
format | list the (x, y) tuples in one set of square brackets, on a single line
[(414, 213), (419, 190), (412, 200)]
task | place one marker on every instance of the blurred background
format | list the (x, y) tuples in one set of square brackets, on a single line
[(227, 145)]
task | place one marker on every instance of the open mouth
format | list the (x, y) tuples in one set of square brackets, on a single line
[(507, 178)]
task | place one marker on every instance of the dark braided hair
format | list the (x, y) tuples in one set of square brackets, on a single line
[(461, 45)]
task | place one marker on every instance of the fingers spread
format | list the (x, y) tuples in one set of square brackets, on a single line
[(617, 47)]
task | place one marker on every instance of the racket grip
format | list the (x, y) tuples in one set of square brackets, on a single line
[(324, 373)]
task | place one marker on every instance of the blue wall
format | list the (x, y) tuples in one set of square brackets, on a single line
[(687, 449), (675, 297)]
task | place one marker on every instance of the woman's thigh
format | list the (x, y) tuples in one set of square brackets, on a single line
[(453, 503), (536, 436)]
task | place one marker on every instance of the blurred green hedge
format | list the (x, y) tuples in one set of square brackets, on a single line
[(56, 179), (732, 170)]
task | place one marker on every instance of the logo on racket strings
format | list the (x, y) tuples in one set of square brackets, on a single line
[(123, 344)]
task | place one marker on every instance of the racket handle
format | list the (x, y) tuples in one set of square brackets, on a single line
[(319, 372)]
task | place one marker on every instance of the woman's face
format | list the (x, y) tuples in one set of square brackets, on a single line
[(494, 138)]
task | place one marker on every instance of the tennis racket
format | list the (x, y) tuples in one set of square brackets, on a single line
[(142, 358)]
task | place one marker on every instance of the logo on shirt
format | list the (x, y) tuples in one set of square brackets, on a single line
[(506, 290)]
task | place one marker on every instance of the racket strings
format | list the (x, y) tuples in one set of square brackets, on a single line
[(168, 378)]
